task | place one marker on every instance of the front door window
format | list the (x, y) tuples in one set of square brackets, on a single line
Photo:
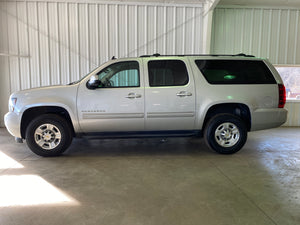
[(121, 74)]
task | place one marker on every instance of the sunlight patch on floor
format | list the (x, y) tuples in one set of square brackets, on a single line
[(7, 162), (30, 190)]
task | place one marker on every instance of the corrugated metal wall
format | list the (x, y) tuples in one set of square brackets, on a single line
[(47, 43), (270, 33)]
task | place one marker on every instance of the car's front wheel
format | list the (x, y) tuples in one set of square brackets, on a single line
[(48, 135), (225, 133)]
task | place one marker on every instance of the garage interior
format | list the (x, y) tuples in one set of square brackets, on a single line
[(146, 181)]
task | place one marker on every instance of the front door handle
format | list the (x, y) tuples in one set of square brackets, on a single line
[(184, 94), (133, 95)]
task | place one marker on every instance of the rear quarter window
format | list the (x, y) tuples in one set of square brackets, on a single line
[(235, 72)]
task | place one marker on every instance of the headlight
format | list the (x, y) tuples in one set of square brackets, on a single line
[(12, 104)]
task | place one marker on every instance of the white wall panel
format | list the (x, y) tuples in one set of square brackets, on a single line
[(270, 33), (293, 119), (55, 42)]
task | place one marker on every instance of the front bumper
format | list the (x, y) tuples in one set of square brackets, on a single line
[(268, 118), (12, 122)]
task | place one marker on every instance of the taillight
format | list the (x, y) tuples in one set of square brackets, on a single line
[(282, 96)]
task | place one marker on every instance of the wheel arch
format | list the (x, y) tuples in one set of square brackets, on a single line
[(237, 109), (31, 113)]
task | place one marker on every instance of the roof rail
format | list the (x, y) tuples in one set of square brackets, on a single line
[(240, 54)]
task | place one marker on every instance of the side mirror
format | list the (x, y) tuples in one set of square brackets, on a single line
[(93, 83)]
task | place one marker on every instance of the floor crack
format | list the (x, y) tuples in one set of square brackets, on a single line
[(241, 191)]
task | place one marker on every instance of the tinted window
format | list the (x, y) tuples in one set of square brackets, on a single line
[(167, 73), (235, 72), (122, 74)]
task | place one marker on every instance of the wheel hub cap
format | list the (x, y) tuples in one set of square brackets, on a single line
[(227, 134), (47, 136)]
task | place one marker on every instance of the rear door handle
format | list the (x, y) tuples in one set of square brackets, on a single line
[(133, 95), (184, 94)]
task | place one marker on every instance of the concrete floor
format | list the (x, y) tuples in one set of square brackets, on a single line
[(147, 181)]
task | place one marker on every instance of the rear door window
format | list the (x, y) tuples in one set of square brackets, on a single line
[(167, 73), (235, 72)]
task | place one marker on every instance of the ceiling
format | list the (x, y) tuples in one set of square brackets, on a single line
[(281, 3), (268, 3), (171, 1)]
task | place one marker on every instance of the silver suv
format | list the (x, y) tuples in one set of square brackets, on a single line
[(220, 97)]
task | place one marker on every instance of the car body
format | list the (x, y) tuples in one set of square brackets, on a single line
[(154, 96)]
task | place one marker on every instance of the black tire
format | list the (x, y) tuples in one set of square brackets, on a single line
[(48, 135), (225, 133)]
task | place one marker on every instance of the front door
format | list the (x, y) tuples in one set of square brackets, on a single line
[(117, 104)]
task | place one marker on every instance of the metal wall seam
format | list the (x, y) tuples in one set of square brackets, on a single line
[(155, 29), (145, 25), (287, 37), (87, 38), (174, 30), (117, 31), (97, 35), (278, 37), (251, 29), (136, 29), (22, 43), (183, 33), (193, 31), (49, 54), (126, 31), (260, 32), (18, 47), (269, 34), (38, 43), (69, 44), (165, 31), (44, 40), (28, 46), (13, 44), (58, 46), (296, 35), (106, 30), (242, 30), (8, 58), (223, 33)]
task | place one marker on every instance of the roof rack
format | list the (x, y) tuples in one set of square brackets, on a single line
[(239, 55)]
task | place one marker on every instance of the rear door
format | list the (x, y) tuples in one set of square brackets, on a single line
[(169, 95)]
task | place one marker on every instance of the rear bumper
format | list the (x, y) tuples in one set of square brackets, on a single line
[(12, 123), (268, 118)]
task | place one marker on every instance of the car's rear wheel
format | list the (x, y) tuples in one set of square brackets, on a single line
[(225, 133), (48, 135)]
